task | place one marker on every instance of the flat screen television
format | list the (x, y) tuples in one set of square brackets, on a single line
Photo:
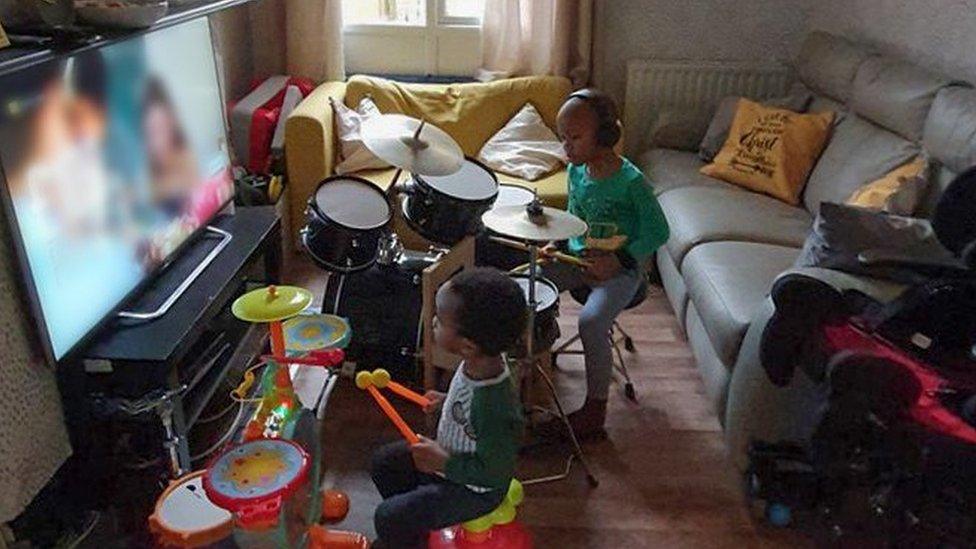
[(112, 158)]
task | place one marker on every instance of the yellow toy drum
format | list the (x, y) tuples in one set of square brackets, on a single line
[(185, 517)]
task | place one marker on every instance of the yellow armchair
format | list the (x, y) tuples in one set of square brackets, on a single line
[(471, 113)]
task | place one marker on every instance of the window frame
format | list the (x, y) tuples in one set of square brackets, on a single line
[(436, 17), (445, 20)]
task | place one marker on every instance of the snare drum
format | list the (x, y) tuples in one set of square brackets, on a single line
[(346, 217), (185, 517), (447, 208), (546, 311)]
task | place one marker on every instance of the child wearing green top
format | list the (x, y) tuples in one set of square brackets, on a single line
[(465, 473), (626, 226)]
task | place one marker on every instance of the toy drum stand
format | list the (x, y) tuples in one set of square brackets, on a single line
[(270, 481)]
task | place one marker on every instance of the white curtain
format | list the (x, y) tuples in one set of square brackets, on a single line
[(520, 37), (298, 38)]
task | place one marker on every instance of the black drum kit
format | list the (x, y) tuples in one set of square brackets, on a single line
[(446, 198)]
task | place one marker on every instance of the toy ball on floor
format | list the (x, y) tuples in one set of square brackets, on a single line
[(778, 515), (335, 505)]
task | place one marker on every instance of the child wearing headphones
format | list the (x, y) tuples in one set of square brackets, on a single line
[(626, 226)]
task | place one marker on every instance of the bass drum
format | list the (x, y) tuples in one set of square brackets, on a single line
[(445, 209), (345, 219)]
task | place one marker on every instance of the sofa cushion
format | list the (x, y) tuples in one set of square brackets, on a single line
[(707, 214), (551, 188), (827, 64), (672, 169), (895, 95), (674, 285), (771, 150), (717, 133), (726, 282), (471, 112), (950, 129), (859, 152)]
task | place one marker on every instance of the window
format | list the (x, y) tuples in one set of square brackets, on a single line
[(411, 12), (412, 37), (460, 12), (384, 12)]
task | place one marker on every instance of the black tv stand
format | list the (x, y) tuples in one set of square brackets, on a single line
[(171, 366)]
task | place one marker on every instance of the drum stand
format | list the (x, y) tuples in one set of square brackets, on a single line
[(533, 362)]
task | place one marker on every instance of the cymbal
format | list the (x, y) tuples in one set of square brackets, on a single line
[(413, 145), (550, 224)]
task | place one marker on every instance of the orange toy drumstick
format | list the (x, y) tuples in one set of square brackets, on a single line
[(412, 396), (381, 379), (364, 380)]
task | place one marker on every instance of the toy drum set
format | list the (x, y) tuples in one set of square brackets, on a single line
[(262, 492)]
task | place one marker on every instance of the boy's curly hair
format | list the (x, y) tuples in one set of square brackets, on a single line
[(491, 311)]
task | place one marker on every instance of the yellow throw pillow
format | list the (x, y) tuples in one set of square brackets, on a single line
[(898, 192), (771, 150)]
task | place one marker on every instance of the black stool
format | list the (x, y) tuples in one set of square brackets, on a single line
[(580, 295)]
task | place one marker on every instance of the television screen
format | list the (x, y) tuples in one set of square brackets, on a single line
[(112, 158)]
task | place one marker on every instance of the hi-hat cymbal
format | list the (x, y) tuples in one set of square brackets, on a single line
[(395, 138), (550, 224)]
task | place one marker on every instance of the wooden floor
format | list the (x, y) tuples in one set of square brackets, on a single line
[(664, 479)]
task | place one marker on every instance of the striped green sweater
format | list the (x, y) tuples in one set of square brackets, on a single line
[(480, 426)]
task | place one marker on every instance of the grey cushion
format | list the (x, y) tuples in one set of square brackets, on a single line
[(895, 95), (950, 129), (718, 130), (727, 281), (677, 129), (821, 103), (939, 180), (707, 214), (859, 152), (827, 64), (670, 169)]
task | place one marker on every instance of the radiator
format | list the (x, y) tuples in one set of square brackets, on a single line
[(669, 103)]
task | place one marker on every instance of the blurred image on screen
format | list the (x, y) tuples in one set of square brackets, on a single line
[(112, 159)]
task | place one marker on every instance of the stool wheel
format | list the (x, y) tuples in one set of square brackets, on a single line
[(630, 393), (629, 345)]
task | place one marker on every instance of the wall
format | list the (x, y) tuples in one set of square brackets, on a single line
[(940, 34), (692, 29), (232, 42)]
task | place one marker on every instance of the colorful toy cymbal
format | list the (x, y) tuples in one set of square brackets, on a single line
[(305, 333), (271, 303)]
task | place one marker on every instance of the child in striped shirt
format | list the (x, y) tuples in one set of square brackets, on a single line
[(465, 473)]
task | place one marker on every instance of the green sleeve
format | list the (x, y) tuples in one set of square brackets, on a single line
[(497, 424), (576, 244), (652, 225)]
